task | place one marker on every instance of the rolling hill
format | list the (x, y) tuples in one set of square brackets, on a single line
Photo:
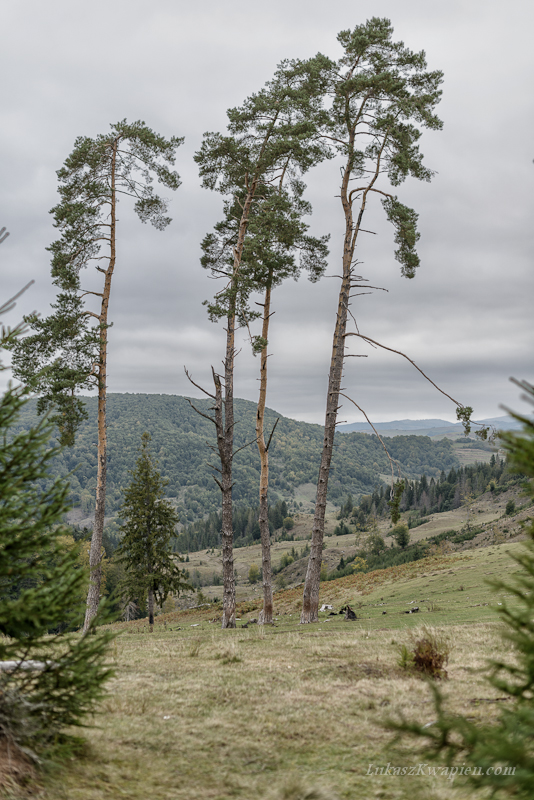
[(181, 440)]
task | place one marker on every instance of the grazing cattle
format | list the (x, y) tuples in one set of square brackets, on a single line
[(349, 613)]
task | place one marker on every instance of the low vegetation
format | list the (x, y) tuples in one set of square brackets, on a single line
[(273, 713)]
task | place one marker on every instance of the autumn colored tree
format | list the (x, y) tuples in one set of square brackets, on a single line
[(67, 351)]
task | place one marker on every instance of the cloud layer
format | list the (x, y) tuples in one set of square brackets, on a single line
[(72, 69)]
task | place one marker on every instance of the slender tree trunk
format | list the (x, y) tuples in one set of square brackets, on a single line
[(266, 616), (229, 598), (310, 603), (225, 427), (95, 555), (151, 610)]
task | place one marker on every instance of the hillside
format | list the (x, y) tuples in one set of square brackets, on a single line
[(435, 428), (181, 440)]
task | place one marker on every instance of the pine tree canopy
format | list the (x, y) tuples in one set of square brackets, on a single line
[(63, 353)]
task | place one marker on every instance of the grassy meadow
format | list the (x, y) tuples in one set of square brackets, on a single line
[(290, 712)]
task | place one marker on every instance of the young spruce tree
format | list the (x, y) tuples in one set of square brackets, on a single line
[(150, 567), (50, 677), (67, 351)]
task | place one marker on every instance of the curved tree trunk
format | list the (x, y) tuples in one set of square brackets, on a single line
[(266, 616)]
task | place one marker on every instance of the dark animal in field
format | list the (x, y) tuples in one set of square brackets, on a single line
[(349, 613)]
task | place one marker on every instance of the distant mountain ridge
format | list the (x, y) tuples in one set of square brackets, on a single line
[(425, 427)]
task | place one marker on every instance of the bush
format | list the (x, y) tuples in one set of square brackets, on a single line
[(253, 573), (510, 508), (401, 534), (428, 654)]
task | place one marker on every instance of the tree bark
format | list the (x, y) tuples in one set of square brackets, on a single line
[(95, 555), (225, 426), (310, 602), (266, 616), (151, 610)]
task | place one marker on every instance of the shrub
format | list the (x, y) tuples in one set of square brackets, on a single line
[(428, 654), (510, 508), (253, 573), (401, 534)]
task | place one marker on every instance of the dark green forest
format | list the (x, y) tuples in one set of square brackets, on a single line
[(181, 439)]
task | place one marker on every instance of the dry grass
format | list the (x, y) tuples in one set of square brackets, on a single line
[(290, 712), (18, 775), (287, 713)]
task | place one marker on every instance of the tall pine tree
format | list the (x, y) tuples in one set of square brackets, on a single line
[(151, 572), (67, 350), (271, 140), (380, 97)]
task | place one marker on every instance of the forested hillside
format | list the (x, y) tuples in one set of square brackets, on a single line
[(180, 439)]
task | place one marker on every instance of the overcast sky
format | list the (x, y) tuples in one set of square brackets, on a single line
[(71, 68)]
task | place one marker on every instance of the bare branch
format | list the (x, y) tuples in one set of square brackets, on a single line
[(398, 352), (391, 461), (206, 416), (190, 379), (272, 432), (245, 445)]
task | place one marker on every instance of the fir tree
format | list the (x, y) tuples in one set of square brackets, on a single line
[(150, 567), (49, 676)]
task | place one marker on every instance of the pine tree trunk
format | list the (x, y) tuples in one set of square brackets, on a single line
[(266, 616), (229, 599), (95, 555), (151, 610), (310, 602), (225, 427)]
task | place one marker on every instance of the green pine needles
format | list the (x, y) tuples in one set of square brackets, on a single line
[(151, 573), (50, 677), (501, 756)]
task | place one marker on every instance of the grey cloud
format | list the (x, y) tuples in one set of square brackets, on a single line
[(466, 317)]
